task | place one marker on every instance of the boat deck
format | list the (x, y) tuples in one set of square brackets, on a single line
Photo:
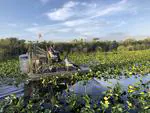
[(34, 77)]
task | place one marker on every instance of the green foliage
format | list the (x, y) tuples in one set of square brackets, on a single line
[(10, 70), (122, 49), (112, 101), (103, 65), (11, 47)]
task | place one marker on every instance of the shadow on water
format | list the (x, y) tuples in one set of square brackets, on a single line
[(96, 86), (6, 90), (125, 82)]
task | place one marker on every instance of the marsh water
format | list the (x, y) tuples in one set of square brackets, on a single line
[(6, 90)]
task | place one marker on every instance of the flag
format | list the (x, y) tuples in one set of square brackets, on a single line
[(40, 35)]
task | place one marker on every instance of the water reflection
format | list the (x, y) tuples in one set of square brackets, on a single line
[(6, 90), (93, 86), (96, 86)]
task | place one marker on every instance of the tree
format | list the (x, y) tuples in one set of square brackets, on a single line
[(113, 46), (129, 41), (130, 48), (122, 48)]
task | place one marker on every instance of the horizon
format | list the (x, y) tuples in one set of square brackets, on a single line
[(78, 40), (67, 20)]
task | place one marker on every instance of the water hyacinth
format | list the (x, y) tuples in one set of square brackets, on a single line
[(60, 99)]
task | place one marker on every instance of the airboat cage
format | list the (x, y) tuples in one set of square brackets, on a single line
[(40, 61)]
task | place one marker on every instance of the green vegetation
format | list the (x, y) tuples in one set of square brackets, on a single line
[(10, 69), (11, 47), (103, 65), (124, 63), (111, 101)]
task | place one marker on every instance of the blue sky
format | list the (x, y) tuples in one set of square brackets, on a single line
[(65, 20)]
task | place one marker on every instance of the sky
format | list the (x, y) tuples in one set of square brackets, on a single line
[(65, 20)]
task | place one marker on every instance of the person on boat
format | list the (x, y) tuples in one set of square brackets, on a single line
[(54, 54)]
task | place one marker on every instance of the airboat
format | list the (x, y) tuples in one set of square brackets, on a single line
[(37, 63)]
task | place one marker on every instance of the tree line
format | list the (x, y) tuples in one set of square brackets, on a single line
[(11, 47)]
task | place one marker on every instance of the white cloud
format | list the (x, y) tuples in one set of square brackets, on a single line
[(91, 11), (47, 29), (117, 35), (107, 11), (90, 25), (114, 8), (62, 13), (70, 4), (77, 22), (81, 19), (85, 10)]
